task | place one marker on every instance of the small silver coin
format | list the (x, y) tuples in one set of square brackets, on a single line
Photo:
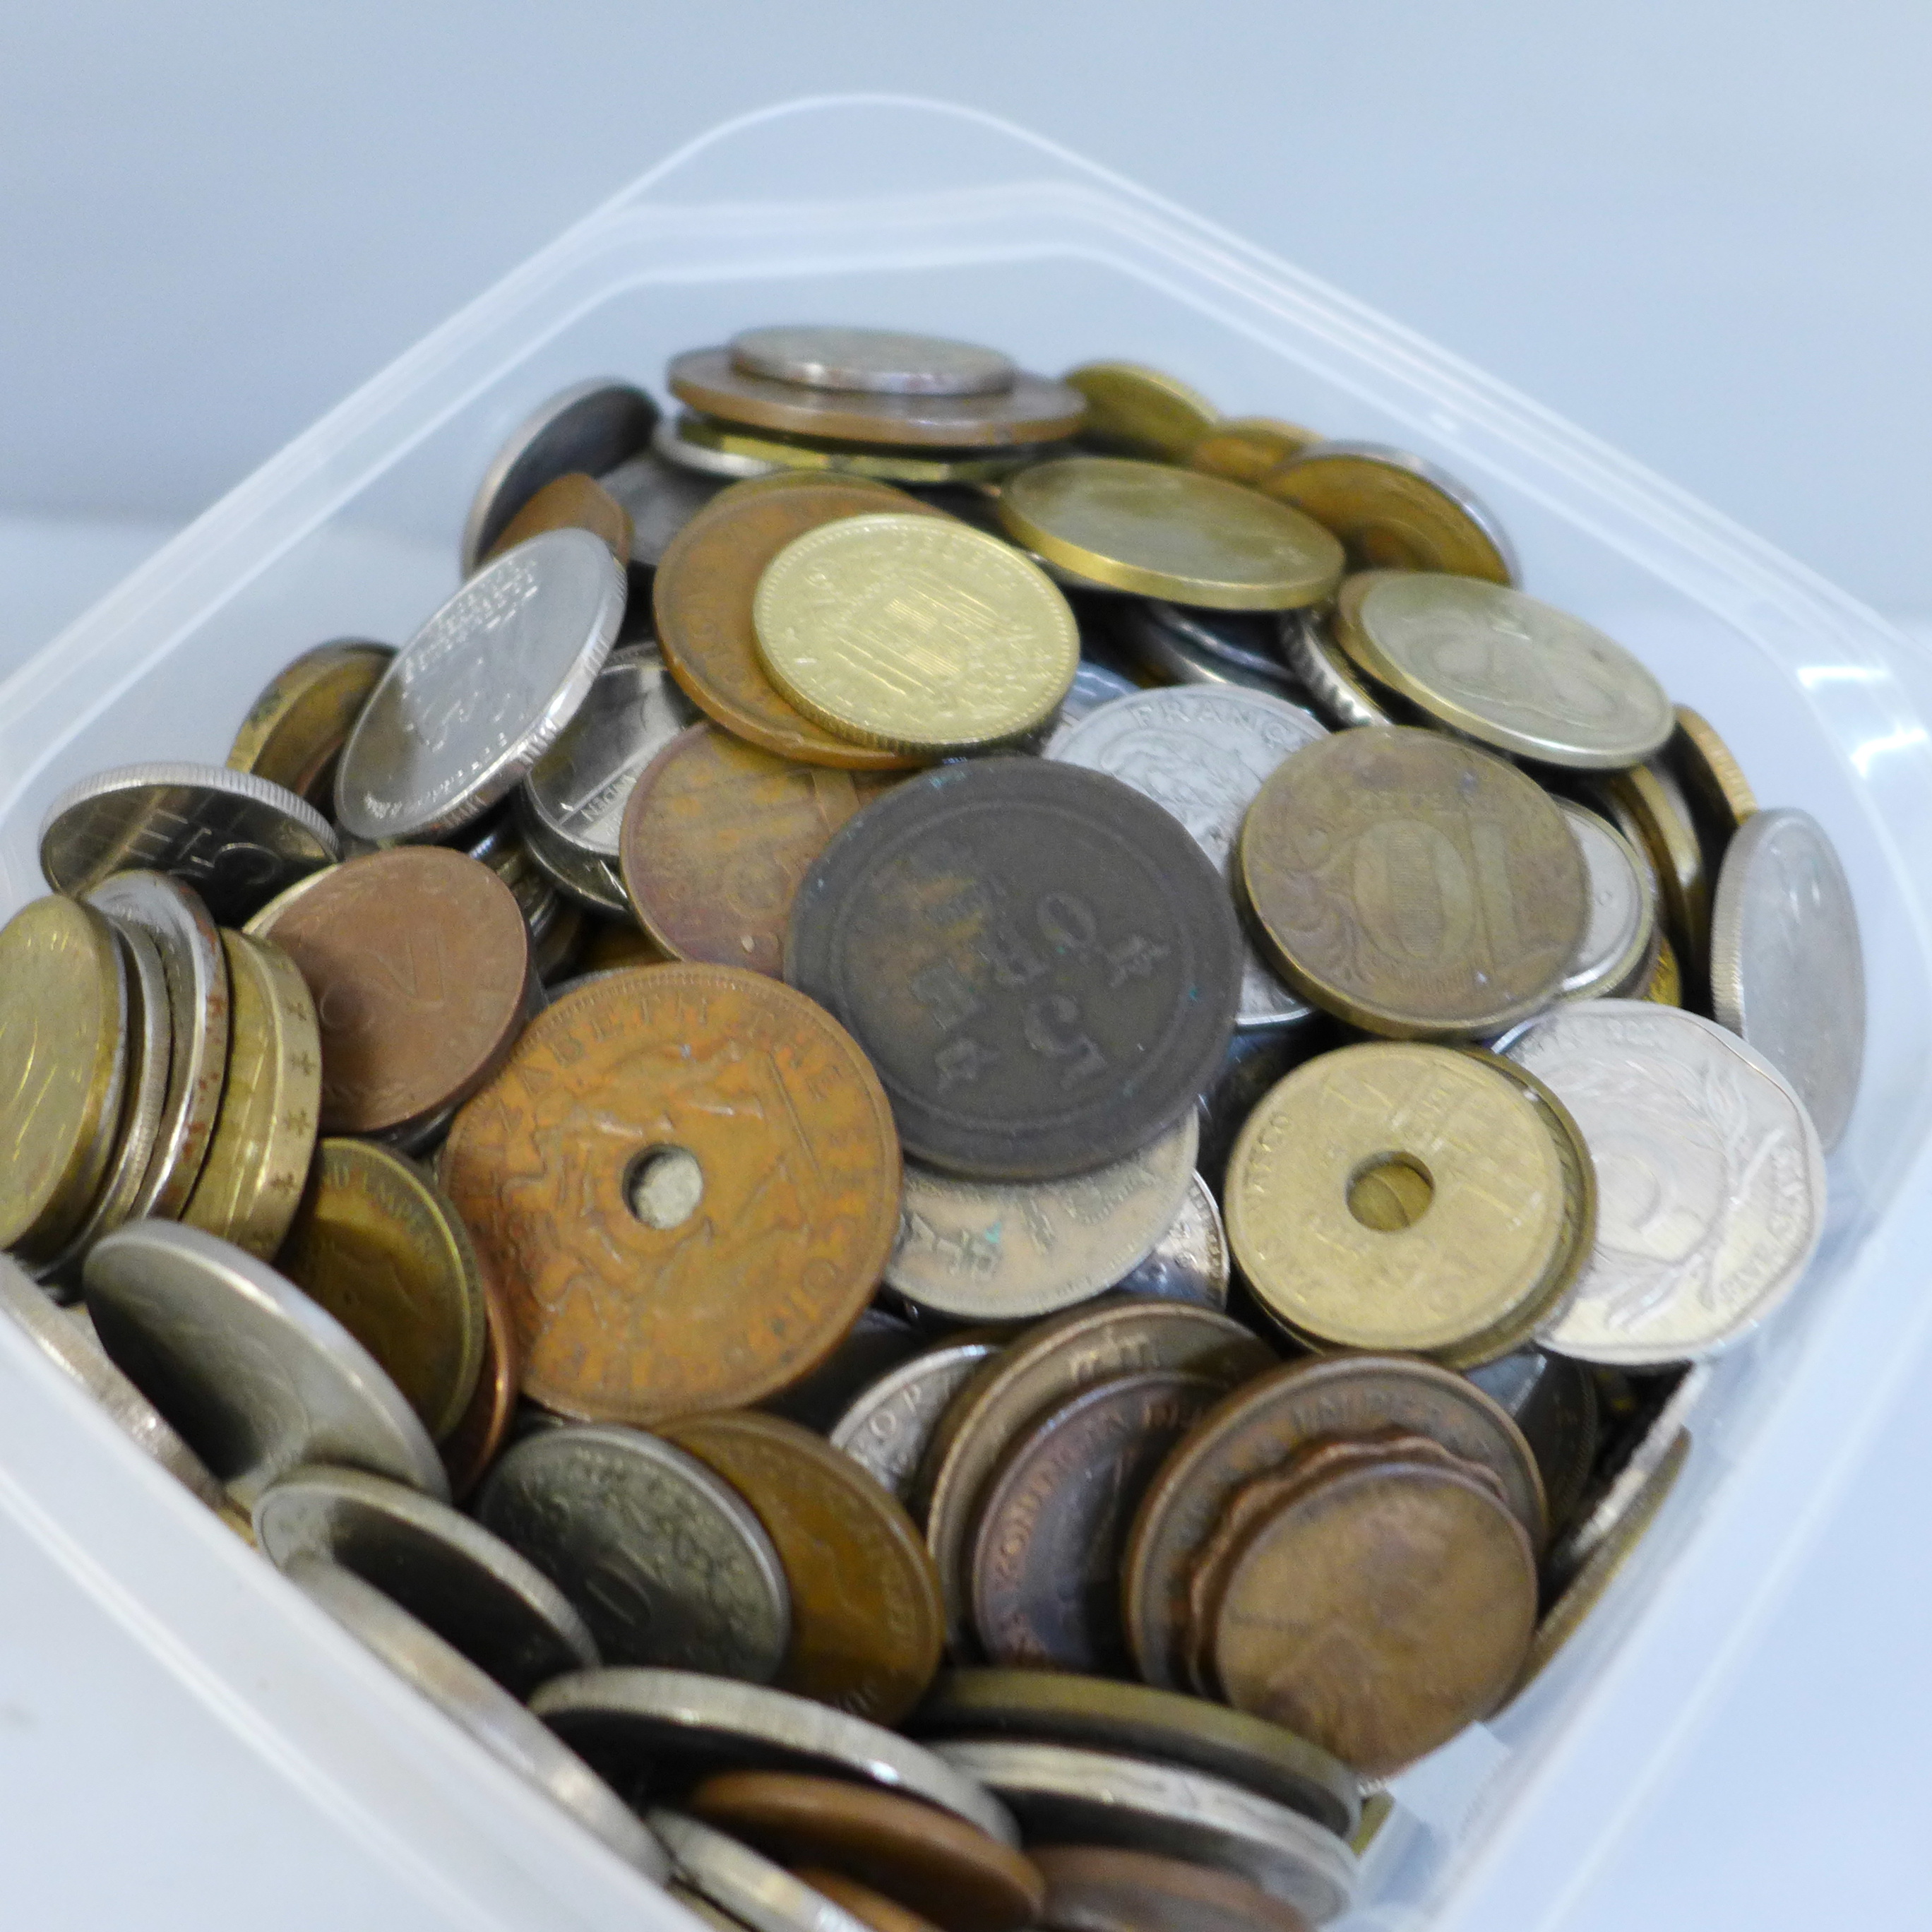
[(1244, 640), (873, 362), (1338, 691), (1175, 656), (670, 444), (878, 1342), (257, 1377), (1012, 1250), (1619, 943), (887, 1427), (68, 1340), (660, 499), (578, 877), (1093, 685), (1190, 1262), (1787, 972), (666, 1561), (236, 839), (482, 690), (469, 1587), (1202, 754), (590, 427), (477, 1705), (745, 1883), (654, 1730), (1064, 1795), (701, 1909)]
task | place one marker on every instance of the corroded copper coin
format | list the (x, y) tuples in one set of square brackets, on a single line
[(687, 1180), (419, 961), (1103, 1889), (471, 1446), (867, 1623), (1053, 1527), (718, 835)]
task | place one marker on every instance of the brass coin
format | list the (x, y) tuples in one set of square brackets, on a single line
[(473, 1445), (914, 634), (947, 1870), (1394, 511), (63, 1069), (1396, 1197), (1413, 885), (1174, 534), (1103, 1889), (703, 597), (872, 1910), (1712, 781), (1340, 692), (1648, 807), (384, 1253), (874, 362), (572, 502), (688, 1180), (296, 730), (1665, 984), (251, 1181), (883, 462), (866, 1619), (1132, 410), (611, 948), (1245, 448)]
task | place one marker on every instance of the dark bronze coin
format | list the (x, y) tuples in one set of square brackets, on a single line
[(1053, 1527), (1041, 963), (1101, 1888), (872, 1908)]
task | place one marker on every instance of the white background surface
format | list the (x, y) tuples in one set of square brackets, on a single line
[(1696, 229)]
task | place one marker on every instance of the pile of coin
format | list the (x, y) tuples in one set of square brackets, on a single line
[(942, 1018)]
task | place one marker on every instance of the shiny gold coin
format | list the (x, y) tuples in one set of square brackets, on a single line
[(1174, 534), (1665, 985), (1135, 411), (914, 634), (573, 502), (63, 1069), (296, 730), (882, 462), (1245, 448), (386, 1255), (251, 1181), (1712, 781), (1649, 808), (1396, 1197)]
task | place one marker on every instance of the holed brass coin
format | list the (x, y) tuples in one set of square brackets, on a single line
[(1245, 448), (296, 730), (572, 502), (1412, 885), (867, 1623), (1132, 410)]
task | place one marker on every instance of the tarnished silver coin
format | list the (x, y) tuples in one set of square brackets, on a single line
[(1619, 941), (1093, 685), (873, 362), (1190, 1262), (482, 690), (1710, 1180), (257, 1377), (1339, 691), (744, 1883), (480, 1706), (653, 1730), (1064, 1796), (1176, 653), (666, 1561), (888, 1425), (671, 444), (469, 1587), (1203, 753), (701, 1908), (236, 839), (1787, 972), (1243, 641), (1010, 1250), (660, 499)]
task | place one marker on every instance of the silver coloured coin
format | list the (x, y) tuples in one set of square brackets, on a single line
[(477, 1705), (655, 1730), (1202, 754), (257, 1377), (879, 1341), (1787, 972), (236, 839), (873, 362), (450, 1574), (1339, 691), (888, 1425), (1190, 1262), (185, 935), (745, 1883), (667, 1561), (482, 690), (576, 876), (1710, 1180), (701, 1909), (1012, 1250), (1093, 685), (660, 499), (1065, 1795), (669, 443), (1175, 656), (1619, 941), (1553, 1401), (590, 427), (68, 1339), (1244, 640)]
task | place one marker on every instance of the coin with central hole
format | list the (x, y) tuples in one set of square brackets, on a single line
[(687, 1180)]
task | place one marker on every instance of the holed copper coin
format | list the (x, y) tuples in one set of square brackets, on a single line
[(1101, 1888)]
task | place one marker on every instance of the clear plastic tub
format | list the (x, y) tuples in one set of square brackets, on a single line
[(238, 1742)]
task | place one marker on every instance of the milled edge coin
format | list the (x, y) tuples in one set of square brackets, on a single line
[(1190, 1262), (1323, 666)]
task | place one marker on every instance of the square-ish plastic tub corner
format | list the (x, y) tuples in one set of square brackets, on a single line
[(147, 1656)]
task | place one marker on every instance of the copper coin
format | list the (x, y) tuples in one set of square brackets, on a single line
[(1100, 1888), (473, 1445), (867, 1623), (718, 835), (572, 502), (702, 594), (296, 730), (1053, 1527), (688, 1180), (872, 1908), (419, 962), (948, 1870)]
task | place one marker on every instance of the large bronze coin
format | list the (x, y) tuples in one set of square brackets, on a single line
[(943, 1868), (688, 1180), (419, 962), (1103, 1889), (296, 730), (718, 835), (1412, 885), (867, 1623), (1041, 964)]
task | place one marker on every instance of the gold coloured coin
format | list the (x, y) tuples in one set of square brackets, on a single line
[(572, 502), (296, 730), (927, 469), (1712, 781), (1245, 448), (1666, 986), (1174, 534), (1132, 410), (1651, 810), (914, 634)]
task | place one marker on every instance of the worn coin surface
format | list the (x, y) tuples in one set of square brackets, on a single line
[(1553, 1401), (1132, 410), (745, 1888), (1710, 1180), (1008, 1251), (1340, 694), (1103, 1889), (667, 1564), (1041, 963), (1413, 885), (473, 1445), (1713, 782), (880, 1340), (888, 1425), (1787, 972), (1245, 448), (1189, 1261), (1244, 640), (572, 502), (660, 497), (1648, 807), (1615, 956), (1666, 983), (874, 362), (296, 730), (1167, 653), (872, 1910), (688, 1181)]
